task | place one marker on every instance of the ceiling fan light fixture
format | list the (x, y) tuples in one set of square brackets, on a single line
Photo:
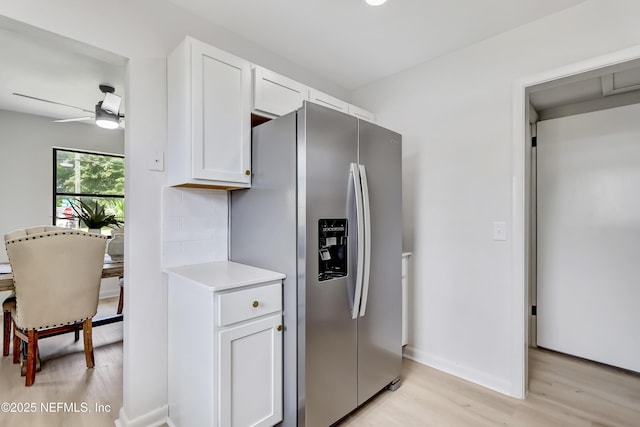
[(375, 2), (106, 120), (111, 123)]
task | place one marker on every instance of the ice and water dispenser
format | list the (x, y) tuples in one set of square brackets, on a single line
[(332, 248)]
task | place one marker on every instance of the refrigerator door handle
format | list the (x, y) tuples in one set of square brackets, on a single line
[(366, 210), (357, 186)]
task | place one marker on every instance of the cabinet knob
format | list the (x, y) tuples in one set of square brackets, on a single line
[(247, 172), (279, 328), (255, 304)]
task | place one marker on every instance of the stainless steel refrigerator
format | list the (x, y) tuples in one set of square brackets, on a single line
[(325, 209)]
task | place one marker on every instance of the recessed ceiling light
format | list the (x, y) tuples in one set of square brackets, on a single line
[(375, 2)]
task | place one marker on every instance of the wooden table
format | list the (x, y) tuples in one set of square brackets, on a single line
[(109, 269)]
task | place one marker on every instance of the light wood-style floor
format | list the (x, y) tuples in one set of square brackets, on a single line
[(563, 392), (65, 378)]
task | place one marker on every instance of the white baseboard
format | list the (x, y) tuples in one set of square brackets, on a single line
[(461, 371), (154, 418)]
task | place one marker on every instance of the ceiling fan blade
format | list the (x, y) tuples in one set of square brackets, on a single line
[(51, 102), (74, 119), (111, 103)]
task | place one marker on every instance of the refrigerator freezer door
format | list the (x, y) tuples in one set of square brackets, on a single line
[(380, 329), (327, 145)]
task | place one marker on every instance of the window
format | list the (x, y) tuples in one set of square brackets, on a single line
[(90, 177)]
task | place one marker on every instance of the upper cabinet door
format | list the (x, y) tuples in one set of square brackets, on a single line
[(209, 106), (328, 101), (276, 95), (362, 113), (221, 90)]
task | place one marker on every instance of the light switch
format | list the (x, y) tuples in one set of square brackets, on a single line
[(499, 231), (156, 161)]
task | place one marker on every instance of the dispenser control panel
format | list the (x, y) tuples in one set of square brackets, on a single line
[(332, 248)]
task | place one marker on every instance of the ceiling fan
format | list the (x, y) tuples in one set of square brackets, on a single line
[(106, 114)]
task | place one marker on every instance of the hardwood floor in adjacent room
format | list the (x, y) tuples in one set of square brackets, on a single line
[(563, 392), (65, 379)]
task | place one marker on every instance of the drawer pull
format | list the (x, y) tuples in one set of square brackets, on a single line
[(255, 304), (247, 172), (279, 328)]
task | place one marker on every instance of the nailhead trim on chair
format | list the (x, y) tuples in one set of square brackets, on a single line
[(73, 322), (53, 326), (54, 233)]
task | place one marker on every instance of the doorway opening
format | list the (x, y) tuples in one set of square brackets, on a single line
[(523, 259), (51, 90)]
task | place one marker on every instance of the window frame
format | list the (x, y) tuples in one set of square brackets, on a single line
[(73, 194)]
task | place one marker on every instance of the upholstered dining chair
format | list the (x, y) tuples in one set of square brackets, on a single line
[(56, 275), (8, 304)]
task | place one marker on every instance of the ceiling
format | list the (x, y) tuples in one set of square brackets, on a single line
[(345, 42), (44, 65), (352, 44)]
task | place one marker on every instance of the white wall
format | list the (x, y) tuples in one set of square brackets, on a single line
[(455, 114), (145, 31)]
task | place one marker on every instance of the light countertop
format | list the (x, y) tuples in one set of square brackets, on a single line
[(224, 275)]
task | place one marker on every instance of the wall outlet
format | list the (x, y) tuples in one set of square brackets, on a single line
[(499, 231), (156, 161)]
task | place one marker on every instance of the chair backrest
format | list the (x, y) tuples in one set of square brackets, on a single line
[(56, 273)]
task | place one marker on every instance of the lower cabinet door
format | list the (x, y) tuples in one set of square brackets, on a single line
[(250, 373)]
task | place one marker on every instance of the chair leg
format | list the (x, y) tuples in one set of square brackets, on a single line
[(16, 346), (7, 333), (32, 357), (121, 300), (76, 335), (88, 343), (23, 365)]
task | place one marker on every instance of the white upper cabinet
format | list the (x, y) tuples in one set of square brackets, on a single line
[(362, 113), (322, 98), (209, 96), (275, 95)]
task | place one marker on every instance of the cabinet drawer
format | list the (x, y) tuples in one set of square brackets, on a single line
[(249, 303)]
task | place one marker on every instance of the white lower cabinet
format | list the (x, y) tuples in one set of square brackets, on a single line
[(250, 363), (225, 346)]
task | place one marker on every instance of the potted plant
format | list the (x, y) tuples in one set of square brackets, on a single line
[(94, 217)]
